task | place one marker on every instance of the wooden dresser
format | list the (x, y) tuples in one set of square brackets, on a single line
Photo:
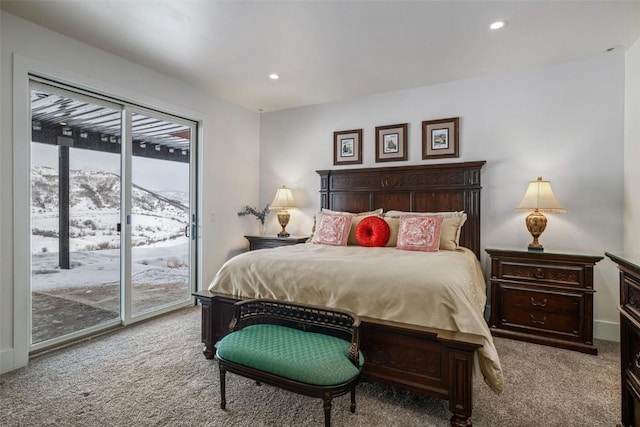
[(629, 337), (544, 298)]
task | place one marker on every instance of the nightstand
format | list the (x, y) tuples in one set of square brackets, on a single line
[(544, 298), (267, 242)]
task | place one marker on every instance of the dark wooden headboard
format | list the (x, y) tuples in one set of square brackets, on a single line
[(422, 188)]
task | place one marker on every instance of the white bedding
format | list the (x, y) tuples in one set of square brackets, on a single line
[(443, 289)]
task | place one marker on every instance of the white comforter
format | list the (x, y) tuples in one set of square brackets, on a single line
[(443, 289)]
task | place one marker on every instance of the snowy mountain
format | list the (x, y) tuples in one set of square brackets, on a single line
[(158, 218)]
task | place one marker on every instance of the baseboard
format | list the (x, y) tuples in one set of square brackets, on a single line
[(605, 330), (6, 361)]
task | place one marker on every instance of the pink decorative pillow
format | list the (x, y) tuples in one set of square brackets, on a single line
[(419, 233), (373, 231), (333, 229)]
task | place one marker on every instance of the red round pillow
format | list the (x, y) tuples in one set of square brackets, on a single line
[(373, 231)]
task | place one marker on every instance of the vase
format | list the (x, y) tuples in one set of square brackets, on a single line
[(263, 229)]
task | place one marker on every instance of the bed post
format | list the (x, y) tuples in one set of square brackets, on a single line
[(460, 386)]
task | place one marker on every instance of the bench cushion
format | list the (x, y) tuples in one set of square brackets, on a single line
[(305, 357)]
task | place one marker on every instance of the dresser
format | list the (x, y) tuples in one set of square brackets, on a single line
[(267, 242), (543, 298), (629, 337)]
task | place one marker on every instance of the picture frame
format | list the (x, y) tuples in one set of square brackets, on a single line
[(391, 143), (440, 138), (347, 147)]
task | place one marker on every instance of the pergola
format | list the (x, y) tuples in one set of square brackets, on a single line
[(70, 123)]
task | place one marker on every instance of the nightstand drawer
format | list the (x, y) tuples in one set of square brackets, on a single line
[(528, 320), (269, 244), (630, 296), (553, 275), (633, 356), (530, 310), (529, 299)]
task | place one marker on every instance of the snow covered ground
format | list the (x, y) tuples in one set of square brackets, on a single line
[(164, 262)]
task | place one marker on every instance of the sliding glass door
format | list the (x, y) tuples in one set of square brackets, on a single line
[(160, 212), (111, 213), (75, 209)]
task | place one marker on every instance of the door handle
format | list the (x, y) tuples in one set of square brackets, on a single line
[(186, 231)]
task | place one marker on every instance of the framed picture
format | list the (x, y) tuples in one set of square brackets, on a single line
[(347, 147), (440, 138), (391, 143)]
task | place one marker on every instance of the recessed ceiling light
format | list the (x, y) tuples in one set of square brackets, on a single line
[(274, 76), (497, 25)]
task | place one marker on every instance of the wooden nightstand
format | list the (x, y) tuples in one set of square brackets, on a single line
[(544, 298), (267, 242)]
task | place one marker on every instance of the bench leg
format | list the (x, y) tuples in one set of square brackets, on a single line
[(223, 397), (353, 400), (327, 409)]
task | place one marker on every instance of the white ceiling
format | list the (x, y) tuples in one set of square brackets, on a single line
[(331, 50)]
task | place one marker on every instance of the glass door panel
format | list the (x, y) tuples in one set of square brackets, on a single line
[(160, 213), (75, 210)]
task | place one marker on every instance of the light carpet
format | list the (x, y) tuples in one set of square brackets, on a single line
[(154, 374)]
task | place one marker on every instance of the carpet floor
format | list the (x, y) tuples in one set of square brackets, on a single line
[(154, 374)]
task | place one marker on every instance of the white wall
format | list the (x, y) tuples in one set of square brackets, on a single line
[(564, 123), (230, 151), (632, 153)]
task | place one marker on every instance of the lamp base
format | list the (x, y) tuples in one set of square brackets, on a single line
[(283, 219), (536, 223)]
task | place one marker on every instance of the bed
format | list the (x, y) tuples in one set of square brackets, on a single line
[(418, 344)]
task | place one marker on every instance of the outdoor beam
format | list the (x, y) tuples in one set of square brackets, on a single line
[(88, 140)]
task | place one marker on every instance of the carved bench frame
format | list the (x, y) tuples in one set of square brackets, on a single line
[(338, 323)]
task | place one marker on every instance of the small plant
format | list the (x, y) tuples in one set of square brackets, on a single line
[(260, 215)]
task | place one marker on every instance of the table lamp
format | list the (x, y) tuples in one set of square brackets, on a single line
[(538, 198), (283, 201)]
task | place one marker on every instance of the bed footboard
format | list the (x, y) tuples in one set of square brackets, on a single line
[(429, 361)]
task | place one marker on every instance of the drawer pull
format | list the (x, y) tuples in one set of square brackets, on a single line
[(540, 322), (637, 362), (539, 303), (539, 273)]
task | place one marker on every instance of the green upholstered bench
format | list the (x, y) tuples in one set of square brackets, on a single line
[(306, 349)]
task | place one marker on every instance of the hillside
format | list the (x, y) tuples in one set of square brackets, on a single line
[(158, 219)]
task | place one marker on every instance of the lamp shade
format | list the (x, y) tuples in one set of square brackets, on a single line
[(283, 199), (539, 196)]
